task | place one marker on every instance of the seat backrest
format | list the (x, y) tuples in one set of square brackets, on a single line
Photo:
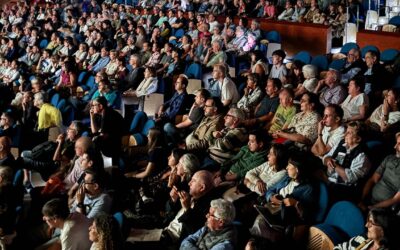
[(337, 64), (389, 55), (147, 126), (179, 33), (350, 33), (396, 83), (152, 102), (395, 21), (55, 99), (318, 240), (321, 62), (322, 203), (347, 47), (194, 71), (369, 48), (273, 37), (372, 17), (272, 47), (347, 217), (303, 56), (389, 28), (193, 85), (138, 122), (81, 77), (90, 82)]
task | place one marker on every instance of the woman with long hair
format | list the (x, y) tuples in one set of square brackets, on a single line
[(105, 233), (266, 175)]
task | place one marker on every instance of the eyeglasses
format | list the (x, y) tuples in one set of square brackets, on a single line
[(213, 216)]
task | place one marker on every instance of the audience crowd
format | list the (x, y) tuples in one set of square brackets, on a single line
[(76, 81)]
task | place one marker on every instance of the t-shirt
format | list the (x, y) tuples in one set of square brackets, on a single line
[(282, 116), (75, 233), (389, 184), (267, 105)]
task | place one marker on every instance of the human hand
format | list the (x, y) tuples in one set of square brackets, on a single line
[(80, 194), (275, 199), (185, 199), (289, 202), (174, 194), (262, 188)]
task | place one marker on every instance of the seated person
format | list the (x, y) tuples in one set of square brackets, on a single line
[(355, 106), (252, 95), (381, 233), (310, 73), (74, 227), (222, 86), (347, 163), (7, 125), (91, 198), (104, 89), (330, 130), (177, 105), (295, 193), (285, 112), (287, 12), (382, 190), (175, 133), (146, 87), (191, 218), (226, 142), (354, 65), (249, 157), (6, 158), (302, 130), (9, 196), (219, 231), (278, 69), (107, 127), (215, 55), (333, 92), (265, 110), (269, 173), (201, 136), (387, 115)]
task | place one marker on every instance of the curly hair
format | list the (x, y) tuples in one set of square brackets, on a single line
[(107, 227)]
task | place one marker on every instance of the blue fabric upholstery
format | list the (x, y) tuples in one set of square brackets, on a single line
[(347, 47), (389, 55), (344, 221), (321, 62), (368, 48), (337, 64), (323, 203), (303, 56)]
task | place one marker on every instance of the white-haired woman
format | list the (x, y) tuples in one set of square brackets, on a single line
[(310, 83)]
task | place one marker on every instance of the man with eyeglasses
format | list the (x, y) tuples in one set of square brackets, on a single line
[(201, 137), (74, 233), (219, 232), (354, 65), (90, 198)]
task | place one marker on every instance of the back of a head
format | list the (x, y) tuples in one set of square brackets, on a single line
[(56, 208)]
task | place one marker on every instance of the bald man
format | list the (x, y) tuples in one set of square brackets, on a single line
[(195, 206)]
